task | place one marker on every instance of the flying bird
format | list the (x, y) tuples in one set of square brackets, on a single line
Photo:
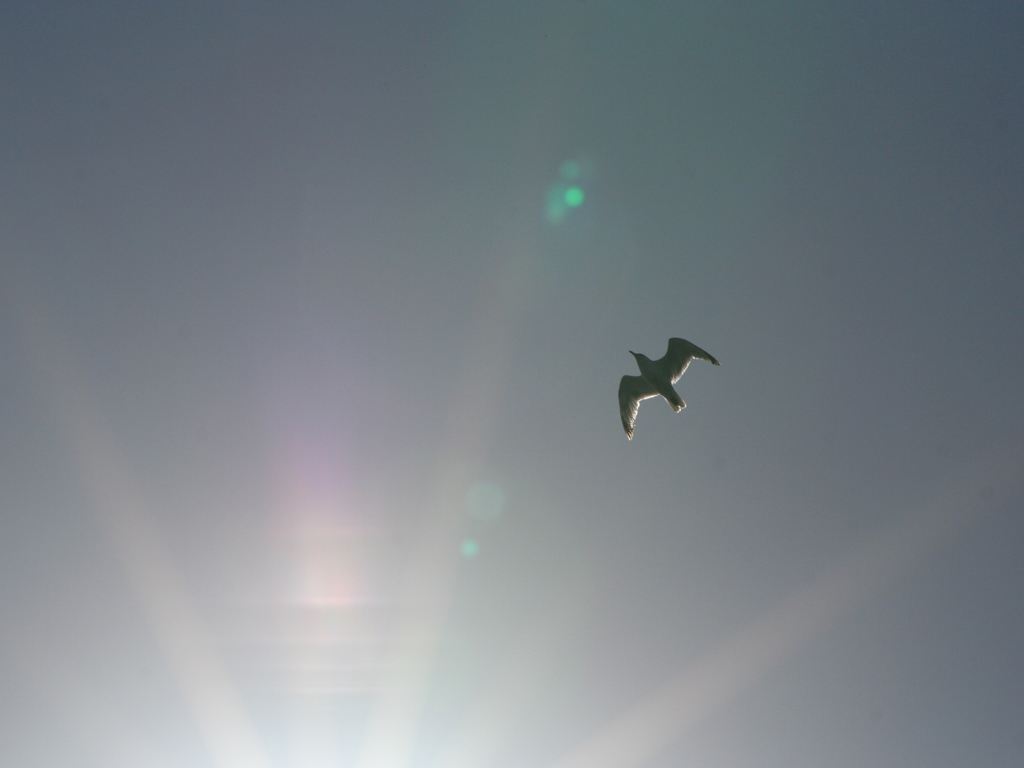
[(656, 378)]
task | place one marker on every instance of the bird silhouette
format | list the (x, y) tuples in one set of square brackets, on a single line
[(656, 378)]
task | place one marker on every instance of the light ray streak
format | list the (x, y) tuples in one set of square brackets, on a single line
[(101, 728), (492, 718), (473, 415), (159, 587), (698, 691), (431, 572), (397, 709)]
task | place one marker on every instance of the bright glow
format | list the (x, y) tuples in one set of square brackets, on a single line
[(152, 573), (565, 195)]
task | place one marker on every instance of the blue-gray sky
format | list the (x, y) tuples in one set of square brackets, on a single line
[(311, 452)]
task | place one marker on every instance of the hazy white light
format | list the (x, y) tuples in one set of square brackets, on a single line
[(187, 647)]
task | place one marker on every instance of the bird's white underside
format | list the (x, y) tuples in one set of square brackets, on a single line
[(664, 372)]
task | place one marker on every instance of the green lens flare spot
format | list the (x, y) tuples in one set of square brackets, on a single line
[(470, 548), (574, 197), (570, 170)]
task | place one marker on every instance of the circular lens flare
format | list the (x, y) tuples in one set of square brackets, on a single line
[(567, 193)]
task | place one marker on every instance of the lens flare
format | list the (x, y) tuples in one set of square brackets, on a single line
[(567, 193)]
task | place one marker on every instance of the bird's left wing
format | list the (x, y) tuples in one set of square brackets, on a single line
[(680, 353), (632, 389)]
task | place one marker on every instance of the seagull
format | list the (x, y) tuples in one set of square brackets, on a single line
[(656, 378)]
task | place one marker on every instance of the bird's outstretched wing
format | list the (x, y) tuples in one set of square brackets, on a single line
[(680, 353), (632, 389)]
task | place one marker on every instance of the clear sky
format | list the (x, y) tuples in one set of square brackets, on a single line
[(313, 320)]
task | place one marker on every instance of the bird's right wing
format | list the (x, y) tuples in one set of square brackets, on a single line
[(632, 389), (680, 353)]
